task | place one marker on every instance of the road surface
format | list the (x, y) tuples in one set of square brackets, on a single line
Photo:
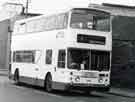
[(9, 92)]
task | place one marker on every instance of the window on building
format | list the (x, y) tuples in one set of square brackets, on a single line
[(48, 56), (61, 59)]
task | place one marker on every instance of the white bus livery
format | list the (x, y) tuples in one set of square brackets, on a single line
[(63, 51)]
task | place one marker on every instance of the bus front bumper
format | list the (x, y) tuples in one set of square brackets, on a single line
[(83, 87)]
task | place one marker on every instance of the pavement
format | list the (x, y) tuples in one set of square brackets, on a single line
[(4, 72), (114, 91), (123, 92)]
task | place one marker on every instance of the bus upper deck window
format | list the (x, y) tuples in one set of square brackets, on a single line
[(90, 19)]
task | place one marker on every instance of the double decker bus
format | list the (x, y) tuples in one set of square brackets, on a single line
[(63, 51)]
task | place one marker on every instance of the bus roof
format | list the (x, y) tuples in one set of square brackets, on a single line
[(62, 11)]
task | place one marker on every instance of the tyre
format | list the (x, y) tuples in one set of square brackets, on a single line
[(48, 83), (16, 77)]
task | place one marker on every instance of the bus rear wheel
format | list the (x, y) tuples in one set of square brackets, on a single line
[(16, 77), (48, 83)]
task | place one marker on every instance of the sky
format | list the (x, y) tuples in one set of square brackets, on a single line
[(43, 6)]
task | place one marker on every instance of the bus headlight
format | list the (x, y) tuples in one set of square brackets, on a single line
[(77, 79), (100, 80), (106, 82)]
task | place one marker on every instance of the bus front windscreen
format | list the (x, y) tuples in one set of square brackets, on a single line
[(83, 59), (90, 19), (78, 59)]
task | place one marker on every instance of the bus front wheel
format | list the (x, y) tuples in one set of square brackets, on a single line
[(48, 83)]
